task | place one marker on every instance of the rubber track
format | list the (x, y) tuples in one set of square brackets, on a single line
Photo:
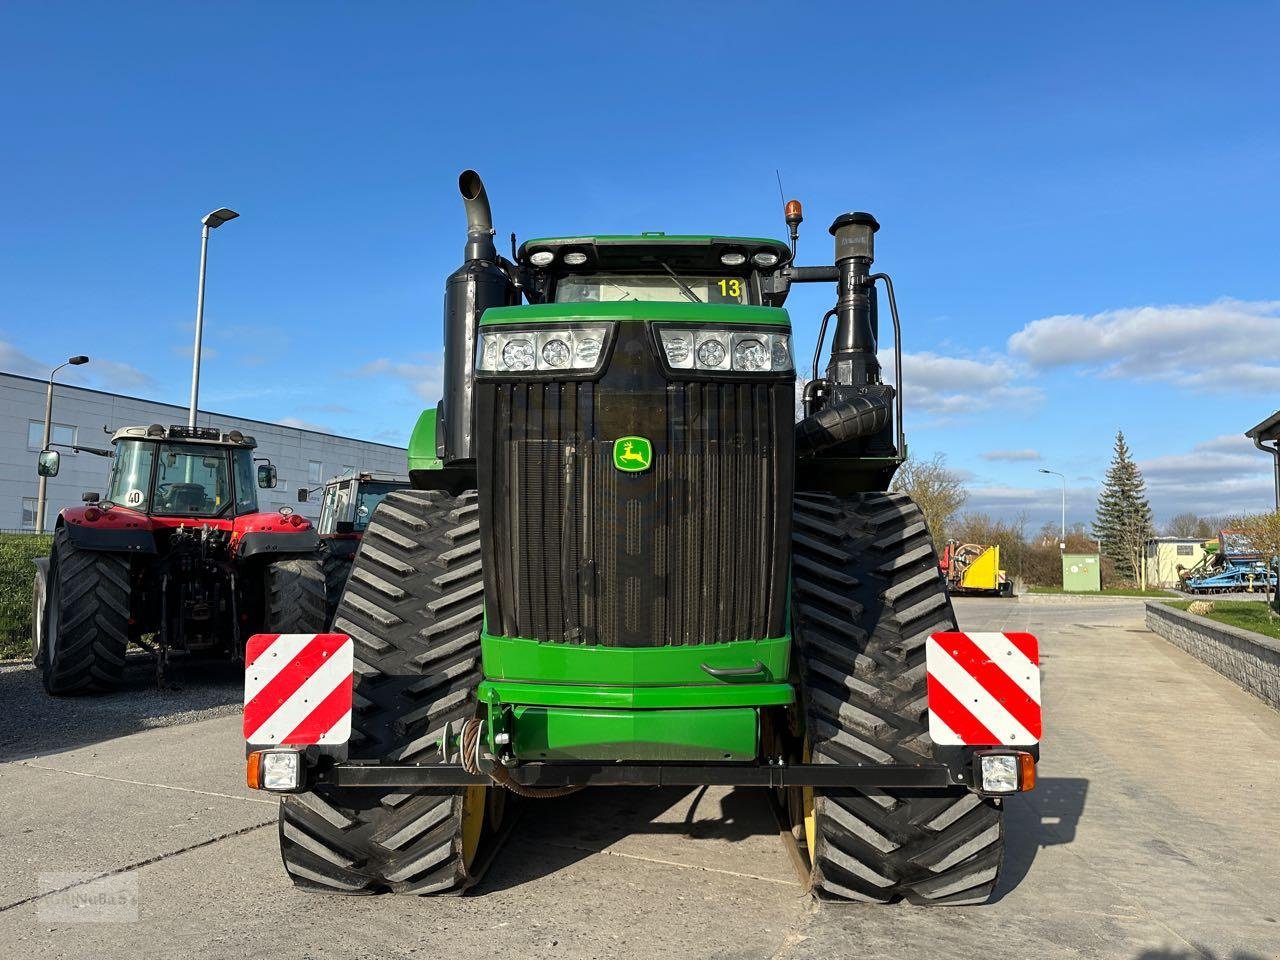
[(413, 606), (335, 578), (867, 594), (93, 624), (296, 599)]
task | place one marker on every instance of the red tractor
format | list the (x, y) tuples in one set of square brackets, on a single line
[(177, 556), (346, 508)]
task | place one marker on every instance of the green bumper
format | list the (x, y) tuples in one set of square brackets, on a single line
[(566, 702)]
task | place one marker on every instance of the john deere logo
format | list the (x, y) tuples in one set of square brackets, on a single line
[(632, 454)]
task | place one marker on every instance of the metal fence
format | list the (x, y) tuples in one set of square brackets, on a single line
[(17, 549)]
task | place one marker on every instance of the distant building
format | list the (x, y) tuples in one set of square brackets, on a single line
[(87, 418), (1164, 555)]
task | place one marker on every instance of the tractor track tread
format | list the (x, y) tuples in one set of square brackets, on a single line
[(860, 649), (95, 589), (418, 665)]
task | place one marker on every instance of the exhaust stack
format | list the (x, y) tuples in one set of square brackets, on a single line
[(477, 285)]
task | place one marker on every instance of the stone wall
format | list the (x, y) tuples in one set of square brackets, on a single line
[(1249, 659)]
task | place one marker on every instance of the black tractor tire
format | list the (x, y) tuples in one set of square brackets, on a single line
[(295, 600), (867, 594), (337, 567), (86, 613), (413, 606)]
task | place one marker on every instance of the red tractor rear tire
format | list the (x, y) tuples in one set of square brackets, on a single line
[(85, 629)]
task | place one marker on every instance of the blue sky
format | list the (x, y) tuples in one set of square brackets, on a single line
[(1078, 204)]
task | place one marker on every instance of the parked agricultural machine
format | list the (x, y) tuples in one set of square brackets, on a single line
[(346, 507), (176, 556), (1230, 565), (622, 562), (974, 569)]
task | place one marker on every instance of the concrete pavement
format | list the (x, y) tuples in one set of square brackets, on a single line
[(1153, 835)]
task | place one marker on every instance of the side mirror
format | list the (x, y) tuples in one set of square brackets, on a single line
[(303, 493), (89, 496), (49, 462), (266, 475)]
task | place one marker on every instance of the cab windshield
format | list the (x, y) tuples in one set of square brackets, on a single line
[(614, 287), (367, 500), (190, 480)]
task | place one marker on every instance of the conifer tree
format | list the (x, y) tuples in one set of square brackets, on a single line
[(1123, 521)]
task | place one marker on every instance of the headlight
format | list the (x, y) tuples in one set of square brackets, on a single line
[(739, 351), (542, 258), (575, 259), (517, 354), (733, 259), (764, 259), (566, 349), (712, 350)]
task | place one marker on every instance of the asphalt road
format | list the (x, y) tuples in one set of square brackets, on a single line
[(1154, 834)]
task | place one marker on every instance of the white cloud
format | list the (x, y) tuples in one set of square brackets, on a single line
[(13, 360), (1224, 475), (1215, 347), (206, 352), (1012, 456), (423, 372), (300, 424), (115, 375), (105, 374), (950, 387)]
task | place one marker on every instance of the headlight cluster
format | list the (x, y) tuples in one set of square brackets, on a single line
[(737, 351), (514, 351)]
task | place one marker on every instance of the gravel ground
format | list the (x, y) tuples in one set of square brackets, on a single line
[(32, 723)]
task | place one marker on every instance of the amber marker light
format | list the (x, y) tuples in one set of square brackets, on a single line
[(253, 770), (1026, 772)]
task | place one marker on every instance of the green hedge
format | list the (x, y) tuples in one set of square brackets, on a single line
[(17, 550)]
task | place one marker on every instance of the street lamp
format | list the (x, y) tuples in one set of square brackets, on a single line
[(211, 221), (48, 430), (1063, 544)]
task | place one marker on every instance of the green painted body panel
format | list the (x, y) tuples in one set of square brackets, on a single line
[(541, 733), (710, 313), (422, 444), (638, 698), (515, 658)]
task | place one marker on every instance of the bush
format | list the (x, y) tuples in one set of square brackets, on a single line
[(17, 550)]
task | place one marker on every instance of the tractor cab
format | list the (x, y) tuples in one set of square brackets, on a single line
[(349, 501), (198, 472), (652, 267)]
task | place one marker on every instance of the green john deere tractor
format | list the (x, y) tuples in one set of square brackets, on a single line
[(623, 561)]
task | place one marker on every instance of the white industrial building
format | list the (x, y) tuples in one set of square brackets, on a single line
[(87, 418)]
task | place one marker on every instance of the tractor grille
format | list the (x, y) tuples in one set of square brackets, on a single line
[(693, 550)]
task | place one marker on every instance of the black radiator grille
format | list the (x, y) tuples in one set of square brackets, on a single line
[(693, 550)]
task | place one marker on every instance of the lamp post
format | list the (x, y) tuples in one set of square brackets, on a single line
[(1062, 545), (48, 430), (211, 221)]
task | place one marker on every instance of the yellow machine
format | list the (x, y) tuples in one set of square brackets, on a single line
[(974, 568)]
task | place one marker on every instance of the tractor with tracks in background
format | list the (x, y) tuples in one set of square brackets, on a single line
[(623, 562), (176, 556)]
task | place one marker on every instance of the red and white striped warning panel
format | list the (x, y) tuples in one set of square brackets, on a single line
[(297, 689), (984, 689)]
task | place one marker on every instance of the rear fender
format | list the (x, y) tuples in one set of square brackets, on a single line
[(111, 531)]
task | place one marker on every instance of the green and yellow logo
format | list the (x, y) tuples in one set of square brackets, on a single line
[(632, 454)]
